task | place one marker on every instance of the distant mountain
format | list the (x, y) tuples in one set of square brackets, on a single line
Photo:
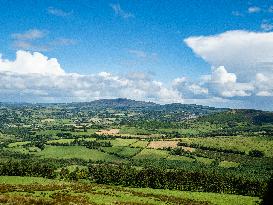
[(149, 109), (118, 102), (256, 117)]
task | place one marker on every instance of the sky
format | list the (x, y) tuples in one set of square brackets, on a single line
[(209, 52)]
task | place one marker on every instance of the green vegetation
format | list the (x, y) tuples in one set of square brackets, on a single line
[(91, 153), (69, 152), (41, 191), (239, 143)]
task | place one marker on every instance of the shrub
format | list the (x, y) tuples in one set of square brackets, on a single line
[(256, 153)]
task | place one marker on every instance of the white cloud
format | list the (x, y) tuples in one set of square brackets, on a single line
[(34, 40), (29, 35), (120, 12), (264, 84), (225, 84), (33, 77), (29, 63), (241, 52), (219, 84), (189, 89), (254, 9), (220, 75), (242, 66), (36, 77)]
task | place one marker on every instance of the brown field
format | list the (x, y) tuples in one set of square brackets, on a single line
[(108, 132), (188, 149), (162, 144)]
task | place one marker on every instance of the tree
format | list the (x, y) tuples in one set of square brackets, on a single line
[(268, 197), (256, 153)]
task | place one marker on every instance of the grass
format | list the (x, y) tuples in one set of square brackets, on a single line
[(214, 198), (152, 154), (122, 142), (90, 139), (6, 137), (122, 151), (239, 143), (18, 144), (18, 149), (227, 164), (64, 141), (35, 190), (140, 143), (24, 180), (80, 152), (204, 160), (134, 131), (180, 158)]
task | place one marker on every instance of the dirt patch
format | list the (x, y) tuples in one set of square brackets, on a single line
[(162, 144), (108, 132), (188, 149)]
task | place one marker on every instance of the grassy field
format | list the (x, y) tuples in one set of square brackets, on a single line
[(18, 144), (140, 143), (152, 154), (45, 191), (122, 142), (69, 152), (122, 151), (239, 143), (59, 141)]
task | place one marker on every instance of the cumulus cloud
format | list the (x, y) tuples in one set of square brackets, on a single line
[(28, 63), (36, 77), (219, 84), (264, 85), (241, 52), (224, 84), (188, 89), (242, 66), (33, 77)]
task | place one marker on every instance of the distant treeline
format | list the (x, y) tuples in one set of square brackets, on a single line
[(176, 179), (188, 180), (27, 168)]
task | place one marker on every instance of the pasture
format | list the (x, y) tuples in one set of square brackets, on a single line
[(35, 190)]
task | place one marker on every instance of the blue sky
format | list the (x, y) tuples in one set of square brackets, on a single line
[(133, 38)]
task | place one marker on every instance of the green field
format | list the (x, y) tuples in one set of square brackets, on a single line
[(59, 141), (46, 191), (152, 154), (122, 151), (140, 143), (239, 143), (122, 142), (69, 152)]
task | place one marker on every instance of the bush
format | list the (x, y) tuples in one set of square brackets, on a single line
[(256, 153), (268, 198)]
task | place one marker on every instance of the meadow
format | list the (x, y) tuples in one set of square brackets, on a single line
[(34, 190)]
